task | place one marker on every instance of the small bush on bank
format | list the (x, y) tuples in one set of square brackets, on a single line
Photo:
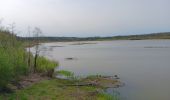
[(46, 66)]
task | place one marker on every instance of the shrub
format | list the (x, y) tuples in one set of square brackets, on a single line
[(46, 66), (13, 62), (12, 65), (5, 69)]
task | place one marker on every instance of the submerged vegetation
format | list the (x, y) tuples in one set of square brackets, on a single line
[(64, 73)]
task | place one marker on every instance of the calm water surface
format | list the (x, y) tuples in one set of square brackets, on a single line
[(143, 65)]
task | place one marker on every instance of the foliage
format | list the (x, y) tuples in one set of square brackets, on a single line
[(5, 69), (13, 61), (44, 65)]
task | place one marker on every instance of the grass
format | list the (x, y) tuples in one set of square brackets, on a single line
[(13, 61), (65, 73), (56, 89), (43, 64), (104, 96)]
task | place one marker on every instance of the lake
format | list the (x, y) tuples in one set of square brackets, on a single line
[(143, 65)]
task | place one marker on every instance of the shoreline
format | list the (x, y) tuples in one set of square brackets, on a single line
[(86, 88)]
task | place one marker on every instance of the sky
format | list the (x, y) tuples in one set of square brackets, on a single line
[(86, 18)]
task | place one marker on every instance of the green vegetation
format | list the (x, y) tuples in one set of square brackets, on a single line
[(68, 74), (44, 64), (57, 89), (14, 61), (104, 96)]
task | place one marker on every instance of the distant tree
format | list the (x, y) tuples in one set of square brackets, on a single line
[(29, 52), (12, 31), (37, 32)]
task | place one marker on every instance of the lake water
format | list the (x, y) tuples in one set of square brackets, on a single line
[(143, 65)]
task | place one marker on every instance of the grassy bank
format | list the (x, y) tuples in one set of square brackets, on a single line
[(56, 89)]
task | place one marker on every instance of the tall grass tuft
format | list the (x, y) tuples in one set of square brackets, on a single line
[(46, 66)]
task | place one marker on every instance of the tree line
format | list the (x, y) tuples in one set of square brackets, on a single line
[(163, 35)]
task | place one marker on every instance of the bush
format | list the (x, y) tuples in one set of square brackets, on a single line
[(46, 66), (5, 69), (12, 65), (13, 62)]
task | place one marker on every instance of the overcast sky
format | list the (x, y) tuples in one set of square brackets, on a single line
[(87, 17)]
